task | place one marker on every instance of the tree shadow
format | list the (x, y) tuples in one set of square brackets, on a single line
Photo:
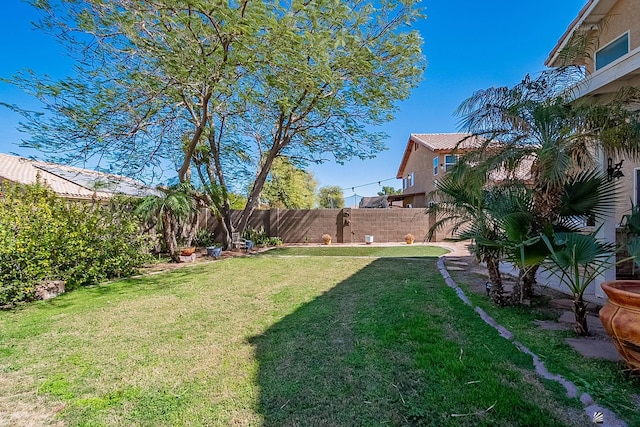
[(345, 358)]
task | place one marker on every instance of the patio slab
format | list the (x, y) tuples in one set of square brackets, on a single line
[(594, 349)]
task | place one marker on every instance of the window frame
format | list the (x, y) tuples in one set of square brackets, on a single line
[(436, 165), (608, 45), (449, 165)]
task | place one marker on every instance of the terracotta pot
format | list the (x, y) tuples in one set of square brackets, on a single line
[(188, 251), (621, 319)]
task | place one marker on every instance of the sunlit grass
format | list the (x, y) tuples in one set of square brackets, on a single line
[(269, 340), (371, 251)]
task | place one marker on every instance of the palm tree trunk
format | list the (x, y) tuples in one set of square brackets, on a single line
[(580, 311), (528, 280), (169, 235), (493, 268)]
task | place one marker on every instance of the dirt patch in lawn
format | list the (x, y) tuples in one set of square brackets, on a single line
[(201, 258)]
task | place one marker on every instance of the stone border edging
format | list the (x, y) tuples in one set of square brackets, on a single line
[(590, 407)]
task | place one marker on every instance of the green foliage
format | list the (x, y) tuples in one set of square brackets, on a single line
[(578, 259), (223, 89), (204, 238), (288, 186), (259, 237), (631, 225), (388, 190), (237, 201), (331, 197), (44, 237)]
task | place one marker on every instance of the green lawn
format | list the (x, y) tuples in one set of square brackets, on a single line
[(370, 251), (275, 341)]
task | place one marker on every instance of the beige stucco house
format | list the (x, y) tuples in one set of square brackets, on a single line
[(427, 157), (611, 62)]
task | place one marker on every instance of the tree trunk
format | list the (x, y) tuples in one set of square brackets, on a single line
[(493, 268), (580, 311), (169, 235), (192, 229), (254, 196), (226, 225), (528, 278)]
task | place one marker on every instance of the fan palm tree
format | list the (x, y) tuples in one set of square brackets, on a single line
[(537, 126), (577, 260), (176, 203), (462, 204)]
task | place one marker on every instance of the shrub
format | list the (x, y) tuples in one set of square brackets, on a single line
[(259, 237), (204, 238), (44, 237)]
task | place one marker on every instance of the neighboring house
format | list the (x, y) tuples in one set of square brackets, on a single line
[(427, 157), (70, 182), (612, 63)]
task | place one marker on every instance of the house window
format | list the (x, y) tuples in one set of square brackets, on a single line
[(436, 161), (449, 161), (614, 50), (408, 181)]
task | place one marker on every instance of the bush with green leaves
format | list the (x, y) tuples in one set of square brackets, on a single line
[(45, 237), (259, 237), (204, 238)]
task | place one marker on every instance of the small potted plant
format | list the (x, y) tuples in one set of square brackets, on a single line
[(326, 238), (409, 238)]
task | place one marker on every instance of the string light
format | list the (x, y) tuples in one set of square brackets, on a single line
[(371, 183)]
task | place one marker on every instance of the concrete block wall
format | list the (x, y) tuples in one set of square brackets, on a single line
[(386, 225), (343, 225)]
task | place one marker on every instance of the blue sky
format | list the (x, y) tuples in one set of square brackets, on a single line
[(469, 45)]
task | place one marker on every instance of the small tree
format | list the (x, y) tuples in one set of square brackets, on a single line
[(577, 260), (331, 197), (167, 211), (289, 187), (388, 191)]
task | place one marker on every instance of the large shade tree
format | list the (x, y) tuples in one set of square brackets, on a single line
[(224, 87)]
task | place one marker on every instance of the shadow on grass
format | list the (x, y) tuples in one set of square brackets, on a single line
[(392, 345), (336, 360)]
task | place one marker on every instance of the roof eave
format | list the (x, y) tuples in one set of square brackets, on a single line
[(552, 59)]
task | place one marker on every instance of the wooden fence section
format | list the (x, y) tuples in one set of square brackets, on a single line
[(343, 225)]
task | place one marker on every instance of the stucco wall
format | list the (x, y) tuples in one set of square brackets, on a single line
[(622, 17), (625, 188), (420, 162)]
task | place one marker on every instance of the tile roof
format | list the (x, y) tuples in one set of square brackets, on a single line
[(590, 14), (70, 182), (438, 142), (446, 141), (523, 171)]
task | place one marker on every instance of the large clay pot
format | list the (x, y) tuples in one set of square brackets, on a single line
[(621, 319)]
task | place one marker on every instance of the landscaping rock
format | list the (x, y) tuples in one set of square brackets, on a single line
[(188, 258), (49, 289)]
